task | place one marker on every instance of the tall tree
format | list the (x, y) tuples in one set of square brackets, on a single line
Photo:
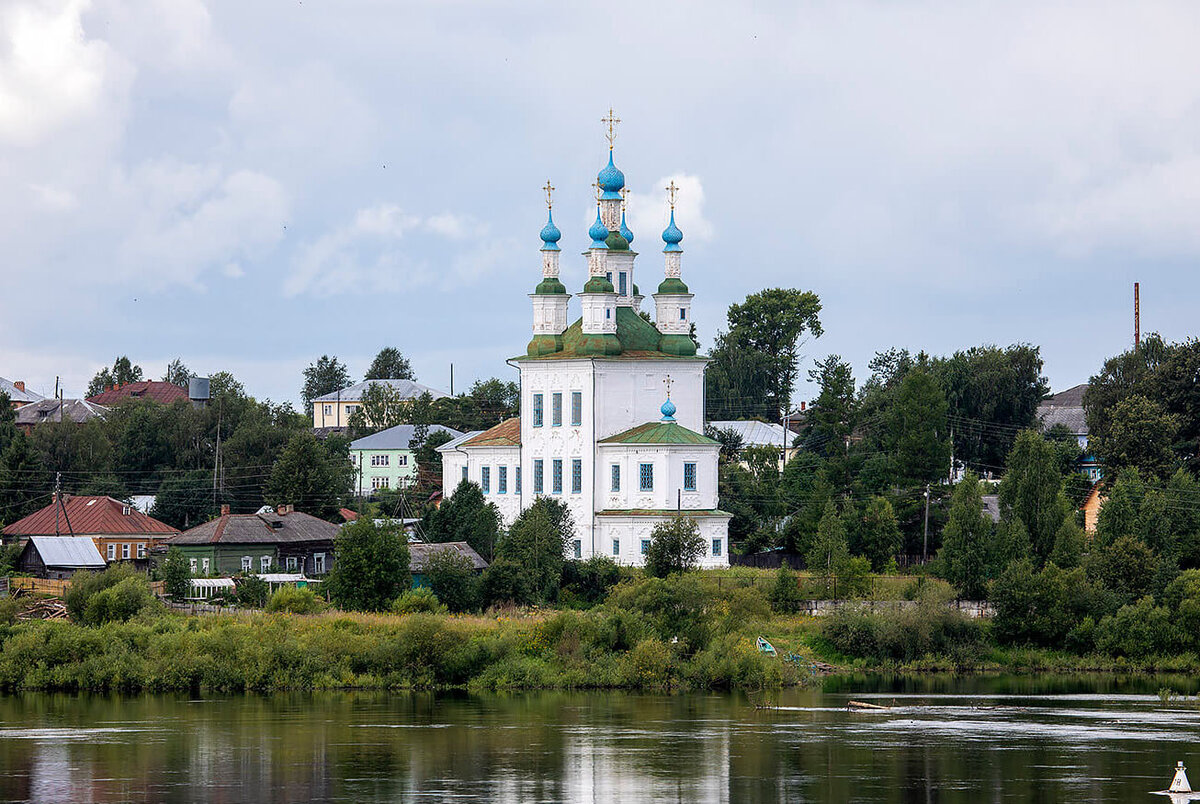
[(325, 376), (466, 516), (389, 364), (536, 543), (832, 418), (1141, 435), (675, 547), (310, 476), (1032, 491), (917, 435), (371, 566), (878, 534), (123, 372), (965, 543), (178, 374), (382, 407), (830, 547)]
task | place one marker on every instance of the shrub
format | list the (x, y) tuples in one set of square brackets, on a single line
[(176, 574), (1040, 608), (589, 582), (853, 576), (418, 601), (294, 600), (85, 585), (250, 591), (1137, 631), (506, 581), (785, 594), (650, 665), (452, 577), (906, 635), (371, 566), (119, 602), (675, 607)]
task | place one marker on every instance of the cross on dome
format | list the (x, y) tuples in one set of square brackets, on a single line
[(667, 381), (672, 189), (668, 407), (549, 188)]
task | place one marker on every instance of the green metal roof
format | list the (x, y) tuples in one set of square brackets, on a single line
[(659, 433), (639, 339)]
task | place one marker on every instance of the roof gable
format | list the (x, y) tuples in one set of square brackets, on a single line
[(264, 528), (15, 394), (397, 437), (407, 389), (164, 393), (505, 434), (659, 433)]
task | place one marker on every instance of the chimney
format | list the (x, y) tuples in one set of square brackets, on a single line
[(225, 509), (801, 407), (283, 510), (20, 384)]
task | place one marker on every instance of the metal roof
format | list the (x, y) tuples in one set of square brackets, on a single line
[(397, 437), (50, 410), (450, 446), (505, 434), (659, 433), (155, 390), (16, 394), (70, 552), (91, 516), (262, 528), (419, 554), (407, 389), (756, 434)]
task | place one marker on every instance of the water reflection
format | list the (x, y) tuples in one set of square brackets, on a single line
[(981, 739)]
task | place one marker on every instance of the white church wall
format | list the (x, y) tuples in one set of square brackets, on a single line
[(505, 496), (668, 481), (624, 538), (631, 392)]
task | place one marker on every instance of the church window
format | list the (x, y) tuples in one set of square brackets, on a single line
[(689, 477), (608, 276), (624, 286), (576, 476), (646, 476), (464, 473), (537, 410), (608, 313), (538, 473), (556, 410), (502, 480), (716, 547), (682, 314), (517, 481), (578, 545), (556, 476), (616, 477), (485, 479), (616, 547), (645, 546), (576, 408)]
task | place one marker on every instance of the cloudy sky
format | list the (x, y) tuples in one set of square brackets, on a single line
[(251, 185)]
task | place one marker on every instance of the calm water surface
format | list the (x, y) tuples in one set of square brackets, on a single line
[(943, 740)]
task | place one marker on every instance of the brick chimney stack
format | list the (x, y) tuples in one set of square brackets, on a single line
[(225, 509), (20, 384)]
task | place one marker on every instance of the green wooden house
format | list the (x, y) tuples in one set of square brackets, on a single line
[(266, 542)]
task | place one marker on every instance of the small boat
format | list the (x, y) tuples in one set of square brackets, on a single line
[(765, 647)]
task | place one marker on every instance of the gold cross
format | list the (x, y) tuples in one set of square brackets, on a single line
[(549, 188), (667, 382), (611, 121), (624, 197), (596, 188), (671, 191)]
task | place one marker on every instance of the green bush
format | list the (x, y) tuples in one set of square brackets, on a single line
[(589, 582), (294, 600), (452, 577), (677, 607), (785, 594), (250, 591), (506, 582), (853, 576), (120, 602), (418, 601), (906, 634), (85, 586), (1042, 607), (1137, 631)]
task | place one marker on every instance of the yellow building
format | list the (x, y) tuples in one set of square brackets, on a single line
[(335, 409)]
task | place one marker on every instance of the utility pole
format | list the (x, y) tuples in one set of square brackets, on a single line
[(951, 456), (1137, 316), (451, 379), (57, 498), (925, 544)]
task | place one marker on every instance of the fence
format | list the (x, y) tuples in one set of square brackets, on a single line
[(59, 587), (822, 587)]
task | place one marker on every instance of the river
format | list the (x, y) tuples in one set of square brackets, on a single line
[(944, 739)]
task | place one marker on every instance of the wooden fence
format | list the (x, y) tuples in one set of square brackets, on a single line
[(58, 588)]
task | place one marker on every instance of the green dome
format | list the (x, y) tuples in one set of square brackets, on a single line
[(598, 284), (616, 242), (672, 285), (550, 287), (678, 345)]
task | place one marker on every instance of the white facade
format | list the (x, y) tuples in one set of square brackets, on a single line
[(607, 375)]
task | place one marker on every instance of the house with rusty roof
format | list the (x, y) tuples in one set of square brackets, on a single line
[(59, 557), (18, 394), (75, 411), (283, 540), (118, 530), (164, 393), (491, 458)]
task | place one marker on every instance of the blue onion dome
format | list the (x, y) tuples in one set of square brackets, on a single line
[(668, 410), (671, 235), (610, 178), (550, 235), (625, 233), (598, 232)]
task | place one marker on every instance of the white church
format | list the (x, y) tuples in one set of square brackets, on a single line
[(612, 406)]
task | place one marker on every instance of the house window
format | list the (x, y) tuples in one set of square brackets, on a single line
[(556, 476), (191, 564), (379, 482), (576, 408), (556, 410), (379, 460), (537, 410), (576, 476), (616, 477), (646, 476), (246, 563), (125, 552), (204, 565), (517, 481), (645, 546), (141, 550), (328, 410), (464, 473), (616, 547), (291, 563), (689, 477), (318, 563), (112, 552), (537, 476), (623, 286), (402, 460), (502, 480), (716, 547), (264, 564), (578, 545), (354, 459), (352, 409), (485, 479)]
